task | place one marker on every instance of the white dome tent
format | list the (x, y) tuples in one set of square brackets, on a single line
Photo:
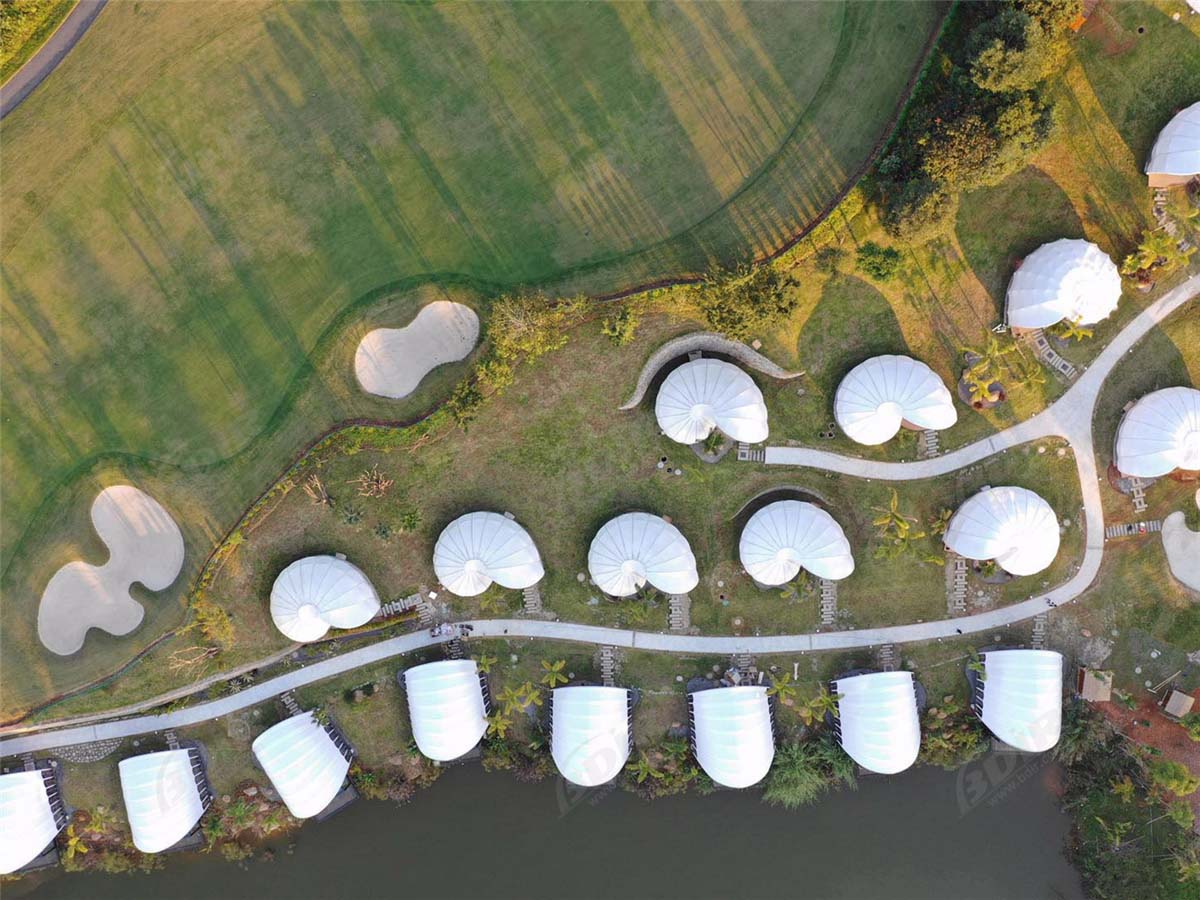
[(1012, 525), (707, 393), (787, 535), (883, 393), (637, 548), (732, 734), (317, 593), (1065, 280), (878, 721), (1021, 700), (589, 734), (162, 798), (1160, 434), (304, 762), (28, 822), (484, 547), (1176, 154), (446, 707)]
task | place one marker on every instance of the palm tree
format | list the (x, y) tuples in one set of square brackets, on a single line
[(783, 687), (509, 699), (1035, 376), (1158, 250), (552, 673), (1073, 330), (816, 708), (643, 769), (892, 522), (939, 523), (75, 843), (485, 663), (498, 724)]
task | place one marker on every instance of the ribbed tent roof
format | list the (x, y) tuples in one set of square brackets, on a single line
[(877, 715), (1012, 525), (1071, 280), (881, 393), (785, 536), (1177, 150), (27, 824), (1160, 433), (162, 801), (445, 706), (707, 393), (303, 762), (733, 737), (590, 733), (481, 547), (636, 548), (1022, 697), (319, 592)]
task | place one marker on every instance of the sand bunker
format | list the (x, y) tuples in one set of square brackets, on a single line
[(1183, 548), (391, 362), (144, 545)]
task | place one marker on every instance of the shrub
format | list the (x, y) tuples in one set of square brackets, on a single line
[(881, 263), (523, 327), (409, 521), (621, 326), (802, 772), (213, 621), (463, 404), (741, 302), (1172, 776), (828, 259)]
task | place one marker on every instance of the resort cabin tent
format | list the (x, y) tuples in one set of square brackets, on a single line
[(447, 707), (590, 734), (732, 734), (484, 547), (1065, 280), (306, 762), (637, 548), (877, 720), (1012, 525), (883, 393), (1160, 434), (1020, 697), (30, 817), (707, 393), (1176, 155), (317, 593), (788, 535), (165, 796)]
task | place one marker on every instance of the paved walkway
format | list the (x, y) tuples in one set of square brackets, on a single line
[(49, 55)]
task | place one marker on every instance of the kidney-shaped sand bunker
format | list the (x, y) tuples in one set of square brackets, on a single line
[(390, 362)]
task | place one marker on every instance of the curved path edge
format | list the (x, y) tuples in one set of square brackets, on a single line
[(39, 66)]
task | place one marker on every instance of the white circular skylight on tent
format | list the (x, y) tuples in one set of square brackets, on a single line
[(1160, 433), (880, 394), (319, 592), (484, 547), (1012, 525), (707, 393), (785, 536), (1177, 150), (637, 548), (1065, 280)]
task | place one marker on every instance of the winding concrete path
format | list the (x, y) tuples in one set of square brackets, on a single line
[(49, 55)]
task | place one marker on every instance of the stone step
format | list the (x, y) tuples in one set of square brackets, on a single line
[(1038, 641), (930, 444), (453, 649), (1132, 529), (679, 617), (828, 601), (533, 600), (956, 583), (608, 666), (288, 699), (747, 453), (887, 658)]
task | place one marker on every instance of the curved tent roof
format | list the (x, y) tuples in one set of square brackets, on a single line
[(1160, 433), (1022, 697), (1012, 525), (303, 763), (733, 737), (1177, 150), (877, 715), (1072, 280), (707, 393), (481, 547), (590, 733), (316, 593), (27, 823), (636, 548), (162, 800), (445, 706), (787, 535), (881, 393)]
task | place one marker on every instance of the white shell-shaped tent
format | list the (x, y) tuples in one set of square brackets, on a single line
[(785, 536), (707, 393), (1160, 433), (303, 762), (733, 736), (445, 707), (636, 548), (1022, 697), (1012, 525), (1069, 280), (1177, 150), (877, 716), (27, 823), (316, 593), (162, 800), (880, 394), (590, 733), (484, 547)]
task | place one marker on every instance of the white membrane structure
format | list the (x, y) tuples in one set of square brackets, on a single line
[(481, 547), (1065, 280), (1012, 525), (590, 733), (785, 536), (445, 707), (882, 393), (27, 823), (877, 716), (732, 734), (637, 548), (316, 593), (1160, 433), (162, 800), (705, 394), (390, 362), (1176, 154), (304, 763), (1022, 697)]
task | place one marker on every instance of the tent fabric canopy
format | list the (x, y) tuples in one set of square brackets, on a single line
[(590, 733), (316, 593), (446, 707), (880, 394), (303, 762), (785, 536), (1160, 433), (1064, 280), (27, 822), (1177, 150), (162, 800), (1022, 697), (708, 393), (1012, 525), (638, 548), (484, 547), (877, 715), (733, 737)]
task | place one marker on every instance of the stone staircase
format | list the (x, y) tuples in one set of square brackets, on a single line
[(887, 658), (928, 444), (680, 615), (744, 664), (1038, 641), (397, 607), (288, 700), (1137, 493), (956, 584), (608, 666), (1036, 338), (828, 602), (747, 453), (426, 614), (533, 600), (171, 738), (1165, 222), (454, 649), (1130, 529)]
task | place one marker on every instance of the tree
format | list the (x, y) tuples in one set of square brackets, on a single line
[(1157, 251), (783, 687), (740, 302), (892, 522), (643, 769), (939, 523), (1191, 722), (498, 725), (1014, 52), (815, 709), (552, 673), (1073, 330), (1168, 775), (881, 263), (484, 663), (75, 843), (621, 326)]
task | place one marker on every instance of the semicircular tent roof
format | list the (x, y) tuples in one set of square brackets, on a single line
[(27, 823), (445, 707), (879, 394), (590, 733), (636, 548), (303, 763), (1012, 525), (1065, 280), (1160, 433), (162, 800), (708, 393), (484, 547), (733, 737), (785, 536), (877, 716), (1022, 697), (1177, 150), (316, 593)]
